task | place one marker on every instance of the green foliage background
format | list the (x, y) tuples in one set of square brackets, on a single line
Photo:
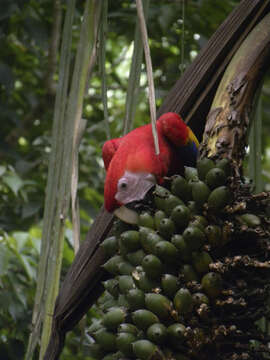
[(26, 108)]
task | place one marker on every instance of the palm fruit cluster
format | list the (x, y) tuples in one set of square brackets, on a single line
[(191, 279)]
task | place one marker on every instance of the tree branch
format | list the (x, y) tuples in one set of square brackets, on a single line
[(228, 121)]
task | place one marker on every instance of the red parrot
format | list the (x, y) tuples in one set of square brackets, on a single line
[(132, 165)]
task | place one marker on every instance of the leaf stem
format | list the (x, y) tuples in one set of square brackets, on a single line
[(152, 100)]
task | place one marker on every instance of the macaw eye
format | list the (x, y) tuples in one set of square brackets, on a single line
[(123, 185)]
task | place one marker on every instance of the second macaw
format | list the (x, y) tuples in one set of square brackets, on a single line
[(132, 165)]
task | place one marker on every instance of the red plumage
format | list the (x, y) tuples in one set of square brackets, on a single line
[(135, 152)]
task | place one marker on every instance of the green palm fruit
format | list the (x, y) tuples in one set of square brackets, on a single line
[(191, 173), (176, 334), (135, 299), (111, 286), (193, 207), (219, 198), (183, 301), (159, 305), (169, 284), (131, 240), (166, 228), (181, 216), (136, 258), (212, 284), (194, 238), (189, 273), (157, 333), (214, 235), (147, 220), (179, 242), (181, 188), (119, 227), (160, 195), (125, 283), (112, 264), (110, 246), (200, 192), (171, 202), (199, 221), (145, 350), (152, 266), (201, 261), (166, 251), (122, 301), (124, 342), (125, 268), (200, 298), (123, 250), (108, 301), (215, 177), (143, 282), (106, 339), (204, 166), (144, 318), (95, 351), (144, 232), (114, 317), (149, 243), (95, 326), (127, 328), (225, 165), (159, 215), (250, 220)]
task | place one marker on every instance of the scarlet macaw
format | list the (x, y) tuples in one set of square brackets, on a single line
[(133, 167)]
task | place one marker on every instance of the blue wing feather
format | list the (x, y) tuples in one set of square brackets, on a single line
[(188, 154)]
